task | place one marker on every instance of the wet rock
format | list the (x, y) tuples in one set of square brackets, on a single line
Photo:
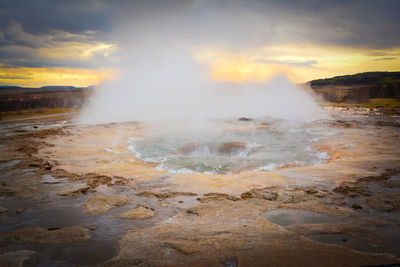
[(91, 179), (218, 236), (356, 206), (263, 193), (94, 180), (319, 195), (337, 201), (48, 167), (121, 181), (393, 184), (15, 258), (285, 198), (351, 189), (343, 124), (74, 191), (219, 149), (389, 111), (310, 191), (42, 235), (3, 210), (6, 191), (34, 165), (244, 119), (165, 194), (387, 123), (193, 210), (292, 197), (19, 211), (216, 197), (385, 202), (139, 213), (191, 147), (382, 177), (231, 147), (232, 262), (101, 204)]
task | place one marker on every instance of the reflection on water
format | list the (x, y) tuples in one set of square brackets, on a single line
[(285, 217)]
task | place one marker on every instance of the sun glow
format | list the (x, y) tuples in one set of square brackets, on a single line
[(302, 63), (36, 77)]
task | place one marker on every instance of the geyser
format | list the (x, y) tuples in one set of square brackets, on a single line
[(162, 80)]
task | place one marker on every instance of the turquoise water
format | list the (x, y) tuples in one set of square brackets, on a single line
[(223, 150)]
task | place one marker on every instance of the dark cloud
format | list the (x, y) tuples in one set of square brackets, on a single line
[(241, 24), (39, 17), (249, 23), (24, 56), (26, 26), (359, 23)]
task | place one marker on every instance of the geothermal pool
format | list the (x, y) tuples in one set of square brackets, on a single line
[(235, 146)]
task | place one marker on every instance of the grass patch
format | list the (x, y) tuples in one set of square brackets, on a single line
[(373, 103), (9, 115)]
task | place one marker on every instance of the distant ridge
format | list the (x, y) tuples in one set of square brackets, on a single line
[(365, 78), (359, 87), (4, 87), (44, 88), (58, 87)]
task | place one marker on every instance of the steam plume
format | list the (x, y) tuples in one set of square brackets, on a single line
[(161, 80)]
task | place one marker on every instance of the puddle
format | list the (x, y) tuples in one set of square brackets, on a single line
[(339, 239), (9, 164), (378, 188), (285, 217), (103, 245), (395, 178), (108, 228), (87, 253)]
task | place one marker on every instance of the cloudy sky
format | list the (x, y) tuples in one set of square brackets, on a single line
[(87, 42)]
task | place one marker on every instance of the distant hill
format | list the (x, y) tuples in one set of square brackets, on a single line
[(9, 87), (58, 87), (43, 88), (365, 78), (358, 87)]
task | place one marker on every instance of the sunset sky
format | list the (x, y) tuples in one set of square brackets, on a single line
[(83, 43)]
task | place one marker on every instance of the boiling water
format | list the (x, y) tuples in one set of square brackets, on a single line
[(245, 147)]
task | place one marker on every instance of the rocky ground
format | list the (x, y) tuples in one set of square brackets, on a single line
[(71, 195)]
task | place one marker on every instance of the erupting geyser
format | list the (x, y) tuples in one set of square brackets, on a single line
[(162, 82), (162, 79)]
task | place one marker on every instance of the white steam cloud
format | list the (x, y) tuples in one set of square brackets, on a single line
[(161, 80)]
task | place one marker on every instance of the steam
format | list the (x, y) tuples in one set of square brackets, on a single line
[(161, 79)]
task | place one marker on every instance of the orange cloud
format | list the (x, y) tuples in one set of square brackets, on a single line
[(301, 62), (36, 77)]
